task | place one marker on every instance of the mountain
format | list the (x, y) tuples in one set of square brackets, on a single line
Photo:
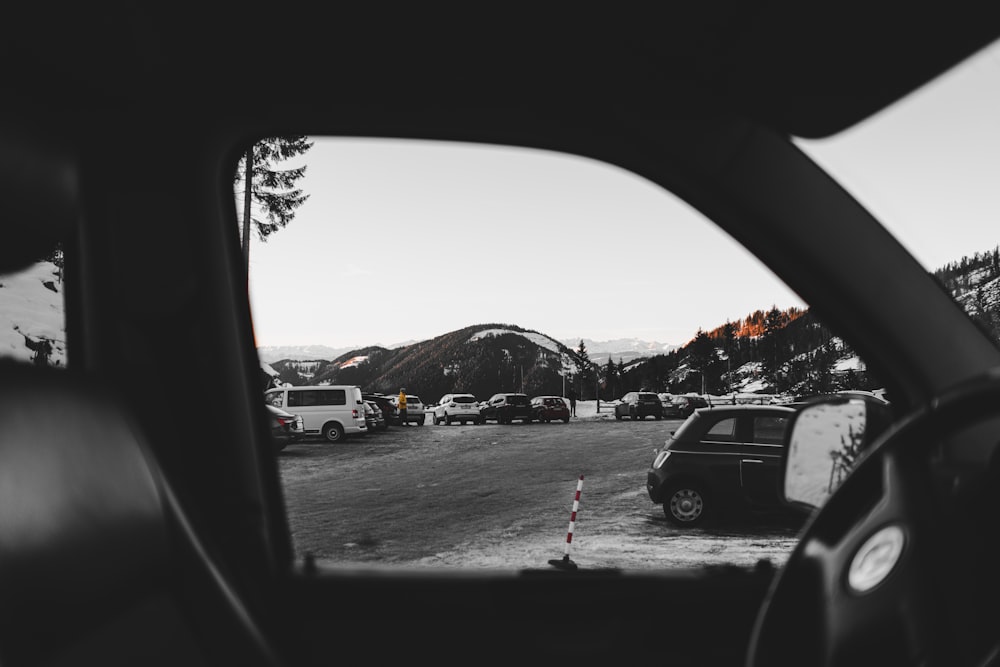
[(619, 349), (482, 359), (271, 353)]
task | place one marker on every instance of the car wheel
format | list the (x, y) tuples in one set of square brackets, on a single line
[(618, 416), (420, 422), (565, 420), (686, 504), (333, 432), (447, 419), (435, 420)]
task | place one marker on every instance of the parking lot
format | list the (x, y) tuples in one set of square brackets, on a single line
[(501, 496)]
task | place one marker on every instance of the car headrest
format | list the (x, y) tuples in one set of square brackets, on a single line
[(82, 522), (40, 191), (97, 556)]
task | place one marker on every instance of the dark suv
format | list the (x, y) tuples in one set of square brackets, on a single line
[(505, 408), (723, 457), (683, 406), (639, 405)]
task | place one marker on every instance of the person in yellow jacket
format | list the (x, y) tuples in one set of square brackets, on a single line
[(402, 407)]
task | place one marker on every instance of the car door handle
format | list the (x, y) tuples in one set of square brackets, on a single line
[(751, 461)]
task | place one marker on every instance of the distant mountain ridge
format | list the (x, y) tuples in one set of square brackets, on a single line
[(270, 353)]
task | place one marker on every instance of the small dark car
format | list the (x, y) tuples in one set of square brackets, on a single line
[(639, 405), (548, 408), (389, 411), (722, 457), (285, 427), (681, 407), (507, 407), (374, 418)]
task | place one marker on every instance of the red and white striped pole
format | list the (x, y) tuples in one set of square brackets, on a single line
[(566, 562)]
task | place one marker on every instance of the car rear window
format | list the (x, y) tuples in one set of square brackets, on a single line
[(518, 400), (724, 429), (649, 397), (464, 399)]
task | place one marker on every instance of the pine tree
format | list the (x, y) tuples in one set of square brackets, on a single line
[(611, 377), (586, 367), (269, 190)]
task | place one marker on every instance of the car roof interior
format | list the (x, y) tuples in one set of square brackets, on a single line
[(121, 125)]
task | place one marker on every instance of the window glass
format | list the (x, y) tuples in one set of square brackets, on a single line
[(582, 228), (926, 168), (32, 314), (724, 429), (337, 397), (769, 430)]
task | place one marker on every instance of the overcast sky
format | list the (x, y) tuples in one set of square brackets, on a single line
[(447, 235)]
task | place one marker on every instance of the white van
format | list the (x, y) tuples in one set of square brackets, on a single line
[(333, 411)]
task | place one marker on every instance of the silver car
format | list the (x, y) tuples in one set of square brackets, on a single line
[(462, 408)]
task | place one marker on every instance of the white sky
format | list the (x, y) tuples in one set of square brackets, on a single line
[(574, 248)]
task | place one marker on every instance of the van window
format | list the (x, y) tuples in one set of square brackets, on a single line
[(309, 397)]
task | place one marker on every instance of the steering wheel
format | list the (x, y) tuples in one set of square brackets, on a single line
[(895, 569)]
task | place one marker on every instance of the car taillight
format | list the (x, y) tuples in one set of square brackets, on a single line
[(354, 413), (451, 405)]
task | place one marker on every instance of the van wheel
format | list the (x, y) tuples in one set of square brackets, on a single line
[(333, 432)]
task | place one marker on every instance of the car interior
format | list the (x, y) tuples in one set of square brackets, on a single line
[(137, 530)]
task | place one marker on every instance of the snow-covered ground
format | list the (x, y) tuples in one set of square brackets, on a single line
[(31, 304)]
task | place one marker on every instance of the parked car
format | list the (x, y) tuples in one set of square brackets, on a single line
[(285, 427), (505, 408), (414, 409), (682, 407), (333, 411), (718, 458), (463, 408), (373, 417), (385, 404), (549, 408), (639, 405)]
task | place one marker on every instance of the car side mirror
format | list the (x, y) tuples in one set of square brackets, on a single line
[(826, 440)]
